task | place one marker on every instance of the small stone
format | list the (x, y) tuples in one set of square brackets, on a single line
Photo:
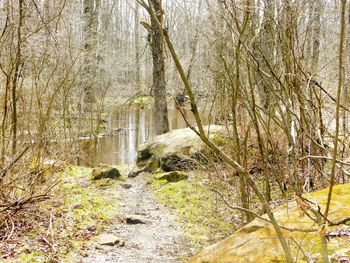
[(126, 186), (108, 240), (134, 220), (98, 247)]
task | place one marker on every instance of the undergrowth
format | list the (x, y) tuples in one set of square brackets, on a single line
[(61, 228), (205, 219)]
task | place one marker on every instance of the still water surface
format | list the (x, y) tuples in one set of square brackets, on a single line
[(130, 126)]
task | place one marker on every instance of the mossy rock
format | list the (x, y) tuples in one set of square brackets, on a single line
[(173, 176), (175, 150), (150, 165), (105, 172), (257, 242)]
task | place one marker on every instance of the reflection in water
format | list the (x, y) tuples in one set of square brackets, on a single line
[(129, 127)]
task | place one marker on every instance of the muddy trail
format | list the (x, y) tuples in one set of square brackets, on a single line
[(149, 232)]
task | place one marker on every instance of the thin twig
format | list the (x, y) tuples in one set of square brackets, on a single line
[(306, 256), (260, 217), (324, 158), (14, 161)]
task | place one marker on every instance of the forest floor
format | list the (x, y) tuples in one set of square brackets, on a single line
[(156, 237), (152, 220), (83, 210)]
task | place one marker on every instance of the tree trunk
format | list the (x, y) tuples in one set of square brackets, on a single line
[(89, 41), (160, 103), (137, 49), (16, 75)]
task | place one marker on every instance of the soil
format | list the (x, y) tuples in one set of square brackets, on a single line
[(159, 239)]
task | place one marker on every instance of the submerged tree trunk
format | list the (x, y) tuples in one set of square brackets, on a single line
[(161, 110)]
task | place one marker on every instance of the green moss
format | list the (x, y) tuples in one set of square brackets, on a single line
[(218, 140), (159, 183), (173, 176), (85, 209), (195, 207), (36, 256)]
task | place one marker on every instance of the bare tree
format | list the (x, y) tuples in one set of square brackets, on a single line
[(157, 48), (90, 23)]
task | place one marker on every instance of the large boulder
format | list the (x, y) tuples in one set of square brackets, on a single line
[(257, 242), (178, 150)]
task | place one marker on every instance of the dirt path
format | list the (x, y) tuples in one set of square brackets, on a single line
[(159, 240)]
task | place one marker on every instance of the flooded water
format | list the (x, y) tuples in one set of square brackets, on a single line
[(130, 126)]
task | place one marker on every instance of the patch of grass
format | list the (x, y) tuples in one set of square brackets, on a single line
[(197, 208)]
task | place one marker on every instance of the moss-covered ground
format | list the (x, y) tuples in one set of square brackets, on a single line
[(204, 218), (78, 210)]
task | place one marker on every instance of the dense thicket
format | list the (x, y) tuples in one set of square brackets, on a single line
[(275, 73)]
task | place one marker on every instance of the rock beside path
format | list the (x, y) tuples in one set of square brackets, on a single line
[(257, 242), (105, 172), (109, 240), (177, 150), (135, 220), (125, 185)]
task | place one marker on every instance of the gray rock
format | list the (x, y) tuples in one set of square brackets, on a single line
[(149, 165), (134, 220), (178, 150), (125, 185), (109, 240)]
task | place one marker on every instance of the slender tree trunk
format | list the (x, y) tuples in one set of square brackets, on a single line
[(16, 74), (347, 80), (137, 49), (89, 42), (161, 109), (337, 113), (316, 34)]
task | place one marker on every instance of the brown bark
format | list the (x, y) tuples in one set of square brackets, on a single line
[(137, 49), (17, 68), (160, 103), (89, 34)]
